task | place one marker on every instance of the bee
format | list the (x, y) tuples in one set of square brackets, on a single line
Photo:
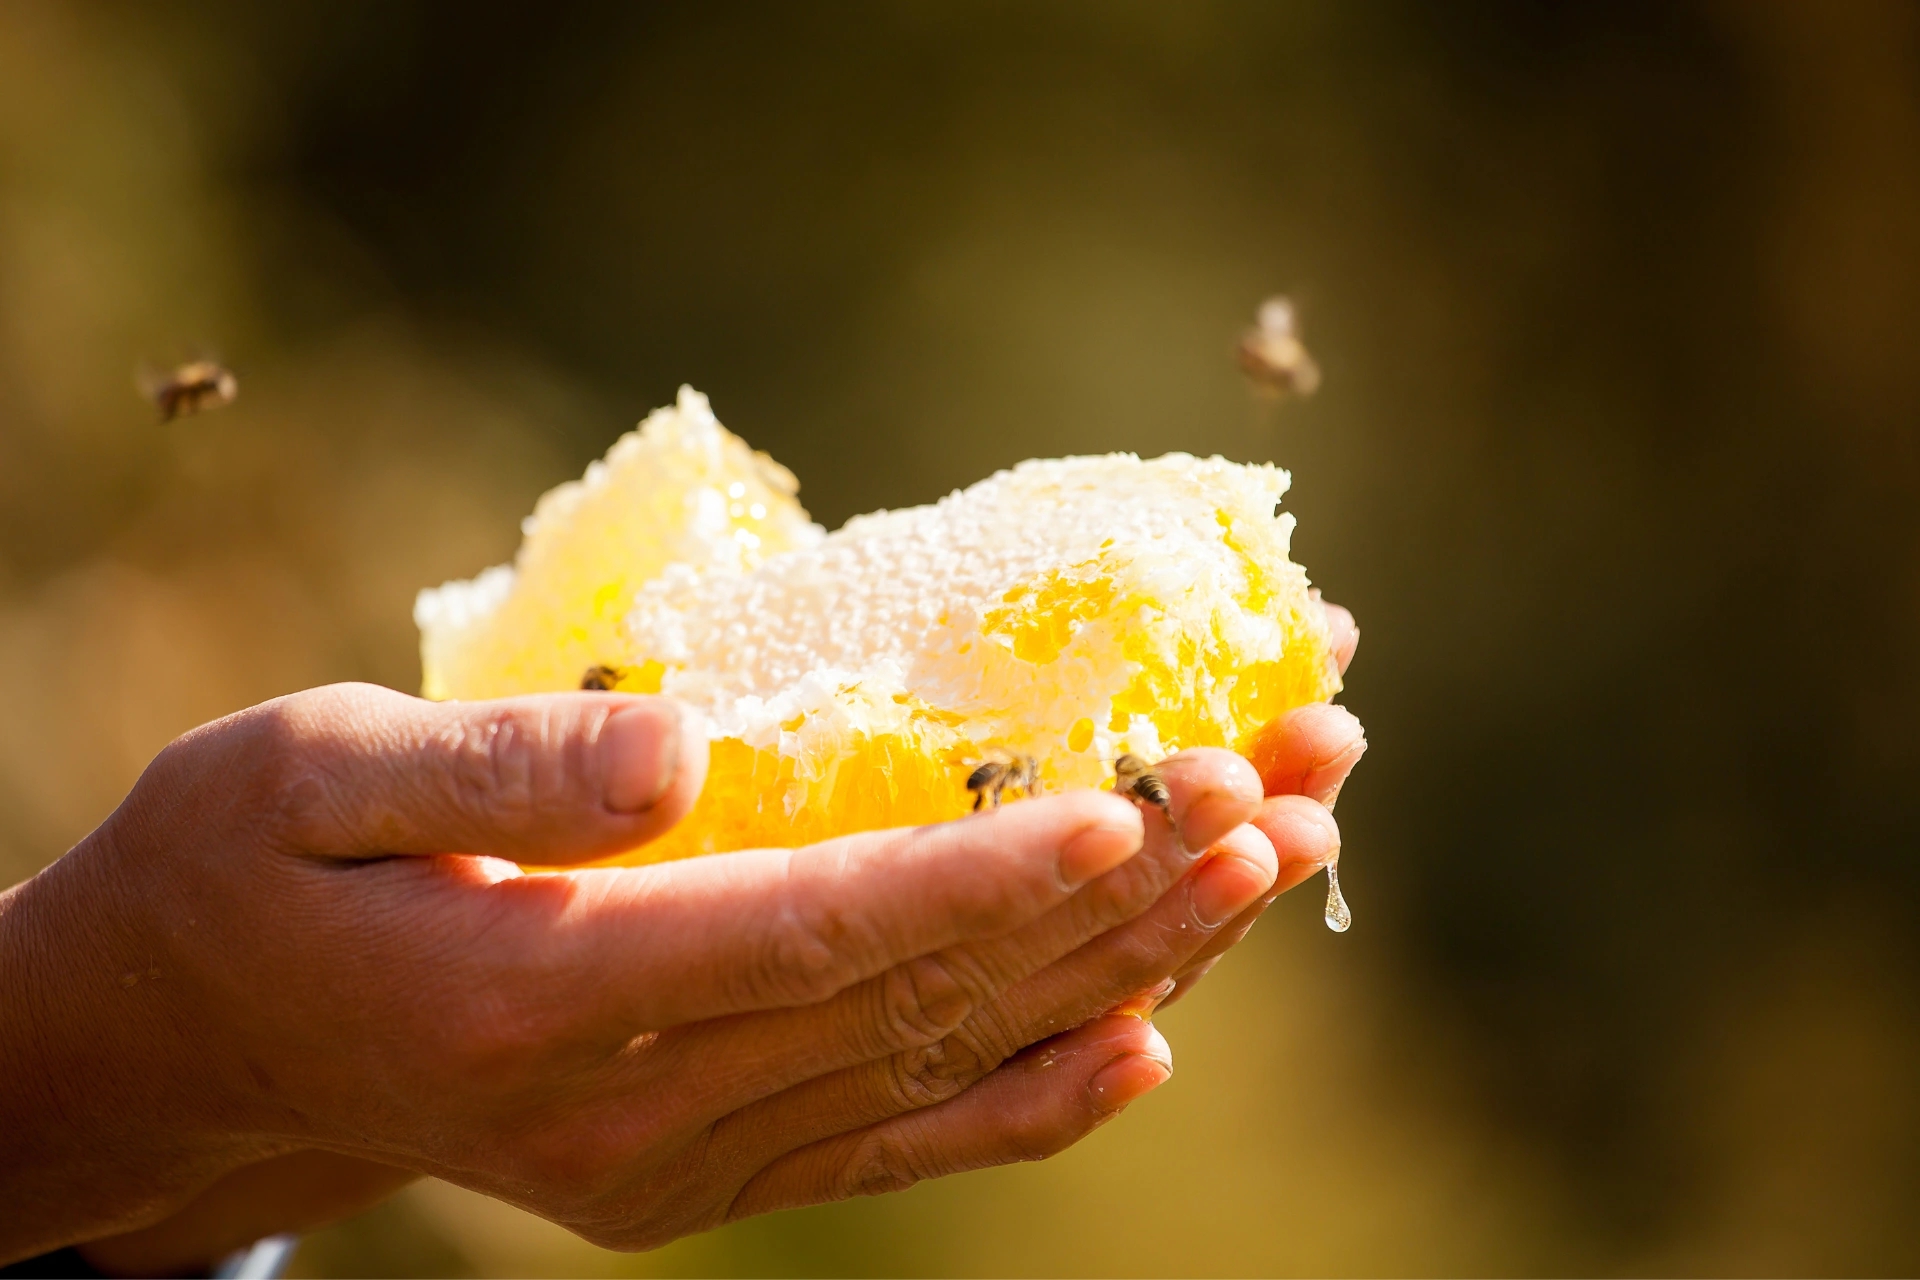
[(995, 776), (1135, 779), (197, 385), (1271, 354), (602, 678)]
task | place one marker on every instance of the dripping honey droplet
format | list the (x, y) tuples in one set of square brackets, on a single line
[(1338, 917)]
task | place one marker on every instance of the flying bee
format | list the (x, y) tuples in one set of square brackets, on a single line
[(197, 385), (993, 777), (1135, 779), (602, 678), (1272, 356)]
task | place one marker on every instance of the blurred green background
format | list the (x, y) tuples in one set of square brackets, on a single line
[(1617, 461)]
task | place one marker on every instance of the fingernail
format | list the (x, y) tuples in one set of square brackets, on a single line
[(639, 753), (1096, 850), (1130, 1077), (1224, 887)]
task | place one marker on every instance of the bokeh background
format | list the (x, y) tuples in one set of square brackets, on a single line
[(1617, 460)]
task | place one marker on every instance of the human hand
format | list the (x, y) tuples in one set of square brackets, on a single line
[(266, 951)]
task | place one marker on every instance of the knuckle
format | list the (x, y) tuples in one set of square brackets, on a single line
[(1115, 897), (492, 760), (282, 759), (922, 1077), (291, 745), (988, 1040), (919, 1002), (287, 734), (812, 952), (311, 720), (878, 1165)]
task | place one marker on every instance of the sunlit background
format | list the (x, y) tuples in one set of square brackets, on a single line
[(1617, 460)]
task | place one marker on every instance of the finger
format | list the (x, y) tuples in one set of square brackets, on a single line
[(1305, 838), (924, 999), (1132, 964), (780, 928), (1034, 1106), (1209, 794), (359, 771), (1308, 751), (1343, 635), (1092, 980)]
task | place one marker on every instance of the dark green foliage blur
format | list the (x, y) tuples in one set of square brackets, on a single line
[(1617, 460)]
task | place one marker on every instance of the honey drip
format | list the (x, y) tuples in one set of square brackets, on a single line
[(1338, 917)]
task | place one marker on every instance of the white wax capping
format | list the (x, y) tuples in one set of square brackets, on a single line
[(887, 611)]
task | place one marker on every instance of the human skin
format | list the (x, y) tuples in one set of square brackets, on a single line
[(299, 967)]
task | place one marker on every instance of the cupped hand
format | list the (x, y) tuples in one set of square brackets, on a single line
[(267, 946), (299, 949)]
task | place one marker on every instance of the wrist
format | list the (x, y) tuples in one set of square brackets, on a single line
[(103, 1121)]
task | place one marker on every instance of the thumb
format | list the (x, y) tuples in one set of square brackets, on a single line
[(361, 771)]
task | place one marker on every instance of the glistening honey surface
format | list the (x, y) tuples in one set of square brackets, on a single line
[(763, 799)]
